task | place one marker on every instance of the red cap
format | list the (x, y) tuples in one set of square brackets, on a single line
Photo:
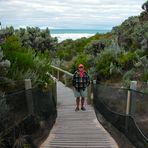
[(81, 65)]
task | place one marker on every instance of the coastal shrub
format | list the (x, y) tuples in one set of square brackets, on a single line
[(20, 57), (132, 33), (145, 75), (113, 45), (145, 6), (25, 63), (141, 60), (63, 55), (139, 53), (142, 65), (65, 50), (115, 70), (125, 60), (127, 78), (72, 48), (99, 36), (102, 63), (4, 65), (83, 59), (11, 43), (80, 44), (94, 47), (137, 35), (32, 37), (6, 32)]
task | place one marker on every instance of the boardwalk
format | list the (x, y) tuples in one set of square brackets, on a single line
[(76, 129)]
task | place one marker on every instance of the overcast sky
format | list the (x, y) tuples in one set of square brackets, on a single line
[(83, 14)]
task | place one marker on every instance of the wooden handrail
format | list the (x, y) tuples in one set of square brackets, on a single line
[(64, 71)]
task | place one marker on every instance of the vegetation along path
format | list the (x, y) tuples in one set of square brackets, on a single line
[(76, 129)]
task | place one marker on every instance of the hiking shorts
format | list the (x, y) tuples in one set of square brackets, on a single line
[(81, 93)]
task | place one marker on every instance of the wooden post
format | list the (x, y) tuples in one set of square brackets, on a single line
[(92, 91), (89, 95), (29, 98), (55, 92), (133, 86), (131, 99), (65, 79), (128, 102), (58, 75), (52, 72), (28, 84), (131, 103), (127, 110)]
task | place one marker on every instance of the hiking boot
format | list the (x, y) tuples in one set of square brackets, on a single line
[(83, 108), (77, 109)]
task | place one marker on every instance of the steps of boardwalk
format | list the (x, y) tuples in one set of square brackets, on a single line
[(76, 129)]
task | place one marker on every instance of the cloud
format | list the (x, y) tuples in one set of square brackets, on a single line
[(68, 13)]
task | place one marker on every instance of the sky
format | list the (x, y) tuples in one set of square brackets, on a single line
[(67, 14)]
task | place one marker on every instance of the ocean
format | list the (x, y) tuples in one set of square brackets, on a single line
[(63, 34)]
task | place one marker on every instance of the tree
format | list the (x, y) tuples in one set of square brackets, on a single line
[(145, 6), (1, 25)]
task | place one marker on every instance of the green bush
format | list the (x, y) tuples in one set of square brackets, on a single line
[(12, 44), (26, 63), (94, 47), (19, 57), (127, 78), (80, 59), (4, 65), (102, 62), (125, 60), (115, 70), (145, 75)]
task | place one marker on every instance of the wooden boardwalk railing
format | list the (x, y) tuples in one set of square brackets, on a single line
[(76, 129)]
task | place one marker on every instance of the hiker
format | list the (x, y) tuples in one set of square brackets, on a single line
[(80, 82)]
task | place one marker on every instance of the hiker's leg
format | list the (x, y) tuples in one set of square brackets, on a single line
[(77, 95), (82, 104), (82, 101), (77, 101)]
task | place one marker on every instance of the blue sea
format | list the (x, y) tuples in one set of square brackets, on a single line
[(63, 34)]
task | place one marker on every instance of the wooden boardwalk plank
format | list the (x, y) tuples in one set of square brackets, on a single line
[(76, 129)]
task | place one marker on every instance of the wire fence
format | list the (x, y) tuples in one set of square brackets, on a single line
[(142, 86), (11, 86), (25, 115), (111, 102)]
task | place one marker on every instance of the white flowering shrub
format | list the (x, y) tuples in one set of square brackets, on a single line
[(4, 64)]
